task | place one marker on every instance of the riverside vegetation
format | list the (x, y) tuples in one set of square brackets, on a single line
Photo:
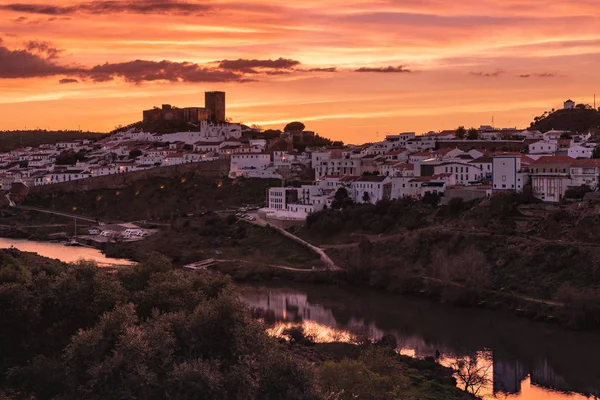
[(538, 260), (152, 332)]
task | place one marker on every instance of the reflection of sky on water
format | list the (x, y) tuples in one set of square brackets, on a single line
[(61, 252), (508, 379)]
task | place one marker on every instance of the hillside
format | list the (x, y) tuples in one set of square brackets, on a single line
[(10, 140), (576, 120)]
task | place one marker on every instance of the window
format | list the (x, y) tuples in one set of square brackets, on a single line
[(503, 178)]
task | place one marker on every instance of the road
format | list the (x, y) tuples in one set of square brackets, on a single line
[(62, 214)]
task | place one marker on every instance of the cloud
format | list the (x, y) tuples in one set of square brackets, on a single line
[(25, 64), (43, 47), (271, 67), (487, 74), (68, 80), (328, 69), (541, 75), (174, 7), (139, 71), (390, 69)]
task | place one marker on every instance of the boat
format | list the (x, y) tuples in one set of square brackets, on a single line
[(73, 241)]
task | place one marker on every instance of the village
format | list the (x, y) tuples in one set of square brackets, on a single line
[(448, 164)]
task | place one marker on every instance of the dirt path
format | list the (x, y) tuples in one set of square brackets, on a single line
[(319, 251), (62, 214)]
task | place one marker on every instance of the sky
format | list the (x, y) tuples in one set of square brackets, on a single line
[(351, 70)]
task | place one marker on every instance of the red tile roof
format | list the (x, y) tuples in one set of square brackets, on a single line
[(553, 160)]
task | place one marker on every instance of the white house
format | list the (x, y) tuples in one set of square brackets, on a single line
[(550, 177), (371, 189), (569, 105), (506, 173), (543, 147), (582, 151), (585, 172), (242, 164), (464, 173)]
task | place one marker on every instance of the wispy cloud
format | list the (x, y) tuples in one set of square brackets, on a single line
[(390, 69), (482, 74), (176, 7)]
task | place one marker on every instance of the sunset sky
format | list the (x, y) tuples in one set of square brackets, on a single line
[(353, 70)]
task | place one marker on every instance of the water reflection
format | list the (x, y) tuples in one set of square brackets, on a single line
[(62, 252), (523, 360)]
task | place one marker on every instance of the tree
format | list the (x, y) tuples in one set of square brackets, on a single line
[(135, 153), (460, 132), (366, 197), (596, 152), (294, 127), (471, 373), (342, 199), (256, 127), (473, 134)]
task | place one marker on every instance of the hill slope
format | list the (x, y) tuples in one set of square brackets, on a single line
[(577, 120), (10, 140)]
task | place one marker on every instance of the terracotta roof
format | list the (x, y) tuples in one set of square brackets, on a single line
[(405, 166), (586, 162), (395, 152), (375, 179), (482, 160), (554, 160)]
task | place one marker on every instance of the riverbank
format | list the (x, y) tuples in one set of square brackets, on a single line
[(566, 315)]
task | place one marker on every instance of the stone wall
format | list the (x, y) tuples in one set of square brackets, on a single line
[(208, 169)]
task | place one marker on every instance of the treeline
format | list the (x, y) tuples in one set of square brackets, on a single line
[(580, 119), (369, 218), (10, 140), (145, 333), (152, 332)]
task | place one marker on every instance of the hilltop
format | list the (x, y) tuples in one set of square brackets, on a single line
[(10, 140), (576, 120)]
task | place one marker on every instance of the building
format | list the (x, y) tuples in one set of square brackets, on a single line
[(507, 173), (550, 177), (371, 189), (215, 104), (569, 105)]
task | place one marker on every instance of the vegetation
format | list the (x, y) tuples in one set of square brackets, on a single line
[(158, 198), (192, 239), (10, 140), (580, 119), (75, 331), (460, 132), (294, 127)]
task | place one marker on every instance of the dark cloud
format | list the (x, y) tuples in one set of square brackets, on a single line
[(42, 47), (42, 59), (145, 71), (390, 69), (487, 74), (175, 7), (254, 66), (541, 75), (25, 64), (329, 69)]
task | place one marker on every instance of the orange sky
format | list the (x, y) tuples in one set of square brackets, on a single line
[(452, 63)]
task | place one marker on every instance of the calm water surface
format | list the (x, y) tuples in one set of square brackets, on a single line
[(527, 360), (62, 252)]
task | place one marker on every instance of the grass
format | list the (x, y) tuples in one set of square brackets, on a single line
[(158, 198)]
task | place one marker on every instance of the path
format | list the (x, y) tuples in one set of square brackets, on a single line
[(322, 255), (62, 214)]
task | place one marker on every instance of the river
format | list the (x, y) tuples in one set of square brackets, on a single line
[(524, 360), (62, 252)]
